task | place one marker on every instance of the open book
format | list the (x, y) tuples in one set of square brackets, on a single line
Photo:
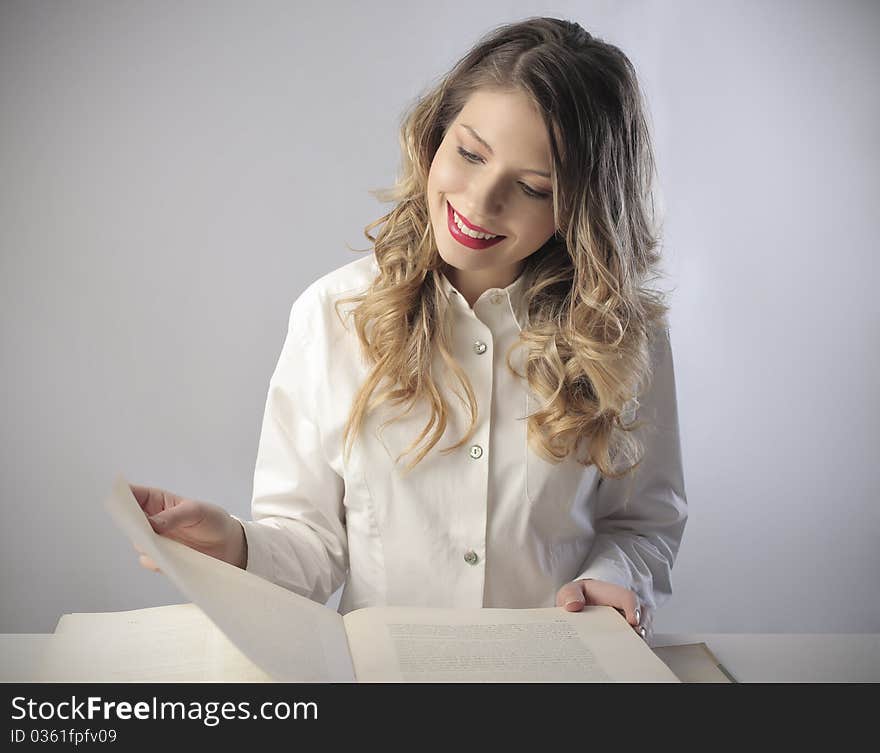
[(294, 639), (174, 643)]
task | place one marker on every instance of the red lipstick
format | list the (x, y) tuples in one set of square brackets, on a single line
[(466, 240)]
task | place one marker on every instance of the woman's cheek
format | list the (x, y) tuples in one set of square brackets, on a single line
[(543, 226), (448, 178)]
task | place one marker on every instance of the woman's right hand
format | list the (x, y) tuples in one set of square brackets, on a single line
[(201, 526)]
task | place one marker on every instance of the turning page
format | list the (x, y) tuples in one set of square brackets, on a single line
[(409, 644), (290, 637), (174, 643)]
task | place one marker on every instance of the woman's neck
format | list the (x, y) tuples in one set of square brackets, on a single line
[(473, 283)]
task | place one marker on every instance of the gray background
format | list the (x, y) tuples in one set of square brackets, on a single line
[(175, 174)]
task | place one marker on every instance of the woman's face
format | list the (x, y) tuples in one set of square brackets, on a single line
[(493, 170)]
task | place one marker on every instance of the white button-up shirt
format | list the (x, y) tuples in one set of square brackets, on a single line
[(491, 524)]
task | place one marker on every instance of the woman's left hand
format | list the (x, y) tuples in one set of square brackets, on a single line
[(574, 596)]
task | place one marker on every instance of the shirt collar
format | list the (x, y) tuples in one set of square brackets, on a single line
[(513, 295)]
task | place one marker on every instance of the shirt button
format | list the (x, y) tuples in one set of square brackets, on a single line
[(470, 556), (476, 451), (479, 347), (496, 298)]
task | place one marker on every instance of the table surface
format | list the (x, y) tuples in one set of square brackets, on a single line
[(766, 657), (790, 657)]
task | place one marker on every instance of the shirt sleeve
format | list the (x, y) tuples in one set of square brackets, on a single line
[(636, 543), (297, 538)]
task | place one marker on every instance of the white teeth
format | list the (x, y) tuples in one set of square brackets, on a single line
[(467, 231)]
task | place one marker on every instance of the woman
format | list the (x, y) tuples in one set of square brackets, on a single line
[(503, 310)]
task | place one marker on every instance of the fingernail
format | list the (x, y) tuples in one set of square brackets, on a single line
[(569, 603)]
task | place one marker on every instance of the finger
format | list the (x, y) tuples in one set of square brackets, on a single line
[(150, 500), (631, 610), (180, 516), (571, 596), (627, 605), (148, 563), (140, 493)]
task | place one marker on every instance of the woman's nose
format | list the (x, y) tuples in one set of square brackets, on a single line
[(485, 201)]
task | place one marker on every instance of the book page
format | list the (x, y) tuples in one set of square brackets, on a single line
[(410, 644), (290, 637), (176, 643), (693, 662), (22, 656)]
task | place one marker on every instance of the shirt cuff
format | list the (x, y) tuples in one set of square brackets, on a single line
[(608, 572), (259, 551)]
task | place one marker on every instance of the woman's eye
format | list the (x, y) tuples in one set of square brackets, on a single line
[(468, 155), (471, 157), (535, 194)]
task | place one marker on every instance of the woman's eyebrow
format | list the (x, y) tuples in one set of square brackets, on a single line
[(489, 149)]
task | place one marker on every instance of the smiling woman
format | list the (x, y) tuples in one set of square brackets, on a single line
[(504, 310), (537, 135), (495, 194)]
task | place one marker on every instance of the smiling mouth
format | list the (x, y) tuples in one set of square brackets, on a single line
[(476, 228), (462, 237)]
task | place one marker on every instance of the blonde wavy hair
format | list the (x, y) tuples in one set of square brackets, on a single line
[(591, 315)]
